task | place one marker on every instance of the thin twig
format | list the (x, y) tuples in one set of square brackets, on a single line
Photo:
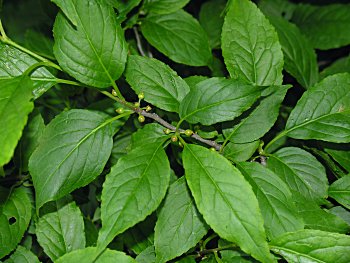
[(138, 42), (161, 121)]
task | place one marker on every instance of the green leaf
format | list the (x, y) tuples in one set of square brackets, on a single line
[(15, 214), (277, 8), (179, 226), (123, 7), (121, 146), (226, 200), (15, 105), (133, 190), (341, 212), (299, 56), (342, 156), (22, 255), (94, 255), (250, 45), (141, 236), (211, 19), (179, 36), (94, 59), (147, 256), (341, 65), (340, 191), (306, 246), (194, 80), (240, 152), (323, 112), (39, 43), (29, 140), (73, 150), (164, 6), (301, 171), (275, 200), (318, 218), (61, 231), (160, 84), (14, 63), (150, 133), (217, 99), (259, 121), (325, 26)]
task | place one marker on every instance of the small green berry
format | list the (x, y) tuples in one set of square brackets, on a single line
[(188, 132), (212, 149), (136, 104), (114, 93), (141, 118), (174, 138), (148, 108), (167, 131), (181, 145), (119, 110), (141, 95)]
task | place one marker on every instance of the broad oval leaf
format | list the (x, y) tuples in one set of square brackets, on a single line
[(301, 171), (61, 231), (22, 255), (226, 200), (164, 6), (259, 121), (325, 26), (15, 105), (13, 63), (250, 45), (323, 112), (95, 59), (161, 85), (340, 191), (217, 99), (73, 150), (179, 226), (240, 152), (94, 255), (299, 56), (307, 246), (16, 212), (133, 190), (275, 200), (179, 36)]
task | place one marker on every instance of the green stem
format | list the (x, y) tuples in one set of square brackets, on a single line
[(69, 82), (2, 171), (35, 66), (2, 31), (279, 136)]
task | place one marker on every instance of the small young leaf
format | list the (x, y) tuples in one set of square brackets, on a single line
[(299, 56), (160, 84), (301, 171), (94, 59), (340, 191), (179, 226), (275, 200), (325, 26), (164, 6), (94, 255), (73, 150), (313, 246), (16, 211), (179, 36), (61, 231), (15, 105), (226, 200), (211, 19), (22, 255), (259, 121), (133, 190), (323, 112), (217, 99), (147, 256), (250, 45)]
